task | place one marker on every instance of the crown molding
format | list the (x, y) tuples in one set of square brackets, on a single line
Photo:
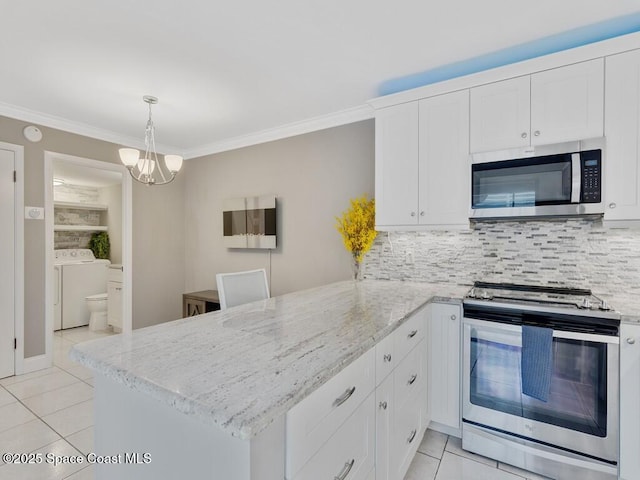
[(343, 117), (59, 123)]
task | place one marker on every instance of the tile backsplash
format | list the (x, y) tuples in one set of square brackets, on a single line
[(577, 252), (71, 216)]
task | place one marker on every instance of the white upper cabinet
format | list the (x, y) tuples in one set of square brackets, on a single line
[(500, 115), (397, 165), (422, 162), (622, 130), (568, 103), (553, 106), (444, 188)]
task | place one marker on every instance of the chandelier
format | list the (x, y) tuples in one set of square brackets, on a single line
[(148, 169)]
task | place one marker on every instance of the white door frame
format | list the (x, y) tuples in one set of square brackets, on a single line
[(127, 229), (18, 298)]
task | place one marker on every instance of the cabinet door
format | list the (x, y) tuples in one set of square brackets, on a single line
[(397, 165), (384, 428), (622, 128), (567, 103), (114, 304), (444, 365), (500, 115), (444, 160), (629, 401)]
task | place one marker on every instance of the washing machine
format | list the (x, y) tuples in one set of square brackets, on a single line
[(77, 274)]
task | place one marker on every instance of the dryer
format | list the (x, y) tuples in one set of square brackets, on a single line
[(77, 274)]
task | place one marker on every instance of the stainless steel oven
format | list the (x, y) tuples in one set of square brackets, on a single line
[(573, 432)]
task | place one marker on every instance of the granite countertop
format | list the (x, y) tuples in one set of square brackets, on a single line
[(240, 369)]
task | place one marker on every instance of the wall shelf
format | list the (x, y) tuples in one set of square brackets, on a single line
[(81, 206), (79, 228)]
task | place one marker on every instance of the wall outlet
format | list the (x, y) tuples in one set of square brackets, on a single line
[(408, 257)]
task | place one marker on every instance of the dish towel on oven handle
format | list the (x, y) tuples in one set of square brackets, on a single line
[(536, 361)]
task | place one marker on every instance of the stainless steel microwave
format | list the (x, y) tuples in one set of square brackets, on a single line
[(562, 179)]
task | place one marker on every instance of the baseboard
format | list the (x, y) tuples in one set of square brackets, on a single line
[(32, 364), (446, 429)]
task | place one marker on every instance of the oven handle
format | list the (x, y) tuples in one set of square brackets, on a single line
[(517, 329)]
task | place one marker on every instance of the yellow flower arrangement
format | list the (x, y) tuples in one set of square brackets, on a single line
[(357, 227)]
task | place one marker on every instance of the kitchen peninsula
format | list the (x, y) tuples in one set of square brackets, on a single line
[(207, 396)]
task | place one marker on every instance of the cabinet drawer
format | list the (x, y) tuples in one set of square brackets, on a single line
[(385, 358), (349, 453), (310, 423), (409, 334), (410, 377)]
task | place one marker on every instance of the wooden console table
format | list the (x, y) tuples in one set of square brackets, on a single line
[(195, 303)]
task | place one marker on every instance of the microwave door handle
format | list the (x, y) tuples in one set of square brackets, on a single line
[(576, 178)]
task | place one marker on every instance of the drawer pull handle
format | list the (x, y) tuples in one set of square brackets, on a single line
[(383, 405), (631, 340), (412, 379), (412, 333), (344, 397), (345, 470), (412, 436), (387, 357)]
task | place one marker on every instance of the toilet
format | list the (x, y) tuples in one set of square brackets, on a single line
[(97, 305)]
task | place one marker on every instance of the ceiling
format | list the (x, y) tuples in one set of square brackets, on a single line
[(74, 174), (224, 71)]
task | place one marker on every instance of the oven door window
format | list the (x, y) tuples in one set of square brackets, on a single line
[(522, 183), (578, 395)]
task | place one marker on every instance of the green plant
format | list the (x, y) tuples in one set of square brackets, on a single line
[(99, 245)]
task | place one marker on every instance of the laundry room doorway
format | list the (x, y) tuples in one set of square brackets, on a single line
[(88, 205), (11, 259)]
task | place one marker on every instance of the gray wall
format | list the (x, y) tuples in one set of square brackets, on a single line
[(313, 176), (158, 244)]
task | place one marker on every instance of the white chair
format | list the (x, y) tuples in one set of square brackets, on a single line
[(242, 287)]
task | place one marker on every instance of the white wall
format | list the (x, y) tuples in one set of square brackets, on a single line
[(313, 177)]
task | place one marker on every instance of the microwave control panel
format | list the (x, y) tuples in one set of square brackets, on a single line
[(591, 176)]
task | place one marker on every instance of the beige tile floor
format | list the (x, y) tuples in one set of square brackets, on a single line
[(51, 412)]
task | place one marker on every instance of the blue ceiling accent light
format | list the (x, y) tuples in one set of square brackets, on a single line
[(525, 51)]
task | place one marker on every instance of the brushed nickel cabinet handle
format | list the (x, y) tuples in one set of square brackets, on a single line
[(524, 135), (412, 379), (383, 405), (631, 340), (453, 317), (612, 205), (412, 436), (344, 397), (537, 133), (345, 470), (413, 214), (387, 357), (412, 334)]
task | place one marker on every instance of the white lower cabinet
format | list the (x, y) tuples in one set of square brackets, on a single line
[(444, 367), (629, 401), (366, 422), (401, 415), (350, 453), (315, 420)]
